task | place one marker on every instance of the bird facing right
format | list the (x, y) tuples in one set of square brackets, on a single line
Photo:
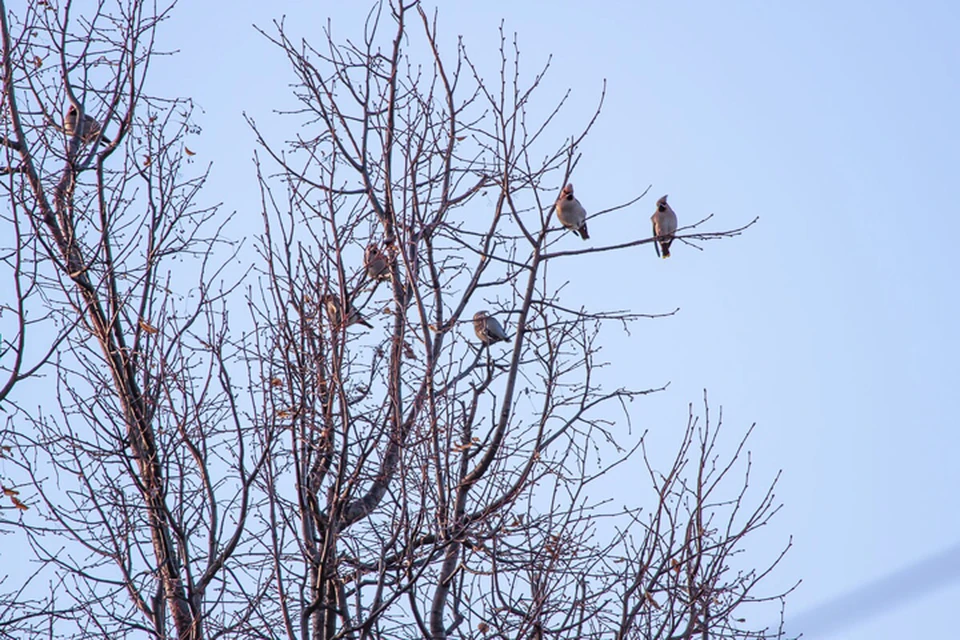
[(488, 329), (571, 213), (664, 226), (335, 312)]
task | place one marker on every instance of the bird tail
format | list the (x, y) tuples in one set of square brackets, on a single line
[(583, 231), (665, 245)]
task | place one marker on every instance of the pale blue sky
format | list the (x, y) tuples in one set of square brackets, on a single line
[(832, 323)]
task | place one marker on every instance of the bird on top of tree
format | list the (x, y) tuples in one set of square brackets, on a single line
[(664, 226), (571, 213)]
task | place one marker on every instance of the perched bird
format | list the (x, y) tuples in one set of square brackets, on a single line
[(335, 312), (376, 263), (664, 226), (488, 329), (89, 128), (571, 213)]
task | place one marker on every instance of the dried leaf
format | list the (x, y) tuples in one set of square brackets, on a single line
[(10, 492), (149, 328), (483, 627), (461, 138), (652, 601), (37, 62), (19, 505), (147, 161), (188, 152), (276, 382), (675, 565)]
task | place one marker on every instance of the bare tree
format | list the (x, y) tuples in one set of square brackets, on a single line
[(351, 460), (133, 463)]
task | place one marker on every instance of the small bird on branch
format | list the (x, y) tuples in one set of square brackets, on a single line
[(335, 312), (89, 127), (571, 213), (488, 329), (376, 263), (664, 226)]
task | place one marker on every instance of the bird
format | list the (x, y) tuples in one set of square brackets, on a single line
[(89, 129), (488, 329), (571, 213), (376, 264), (335, 312), (664, 226)]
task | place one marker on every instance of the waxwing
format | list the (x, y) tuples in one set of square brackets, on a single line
[(89, 130), (664, 226), (375, 263), (571, 213), (335, 313), (488, 329)]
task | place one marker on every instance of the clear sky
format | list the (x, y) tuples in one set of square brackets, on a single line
[(833, 323)]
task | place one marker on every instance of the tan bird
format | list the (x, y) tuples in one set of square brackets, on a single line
[(335, 312), (488, 329), (571, 213), (376, 263), (89, 129), (664, 226)]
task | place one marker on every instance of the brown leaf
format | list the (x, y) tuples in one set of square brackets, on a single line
[(276, 382), (37, 62), (461, 138), (188, 152), (10, 492), (652, 601), (147, 161), (19, 505), (149, 328), (483, 627), (675, 565)]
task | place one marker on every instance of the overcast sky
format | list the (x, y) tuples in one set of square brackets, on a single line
[(832, 323)]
